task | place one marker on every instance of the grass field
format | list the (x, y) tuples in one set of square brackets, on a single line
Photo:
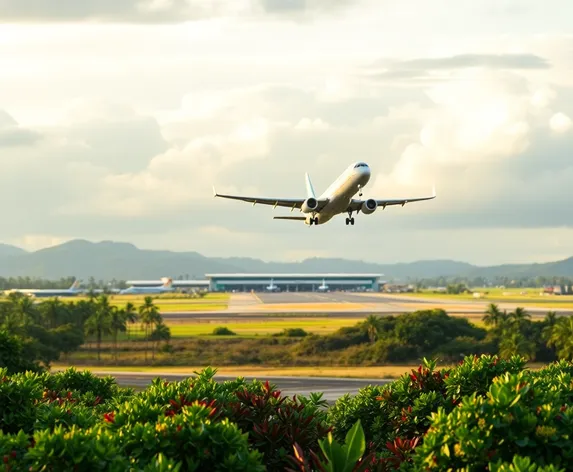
[(525, 295), (185, 329), (168, 303)]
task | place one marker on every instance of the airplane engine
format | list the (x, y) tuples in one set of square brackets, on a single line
[(310, 205), (369, 206)]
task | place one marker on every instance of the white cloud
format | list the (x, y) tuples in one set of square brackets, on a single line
[(560, 123), (307, 124), (118, 131), (33, 242)]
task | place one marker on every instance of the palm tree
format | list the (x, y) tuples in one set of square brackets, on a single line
[(160, 333), (117, 324), (549, 321), (130, 315), (54, 312), (562, 338), (26, 311), (99, 323), (492, 316), (149, 315), (372, 324), (514, 343), (519, 316)]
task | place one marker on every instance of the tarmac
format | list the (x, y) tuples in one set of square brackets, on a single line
[(346, 305), (332, 387)]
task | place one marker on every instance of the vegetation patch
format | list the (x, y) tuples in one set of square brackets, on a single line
[(486, 413)]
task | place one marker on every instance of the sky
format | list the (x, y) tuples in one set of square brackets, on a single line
[(118, 116)]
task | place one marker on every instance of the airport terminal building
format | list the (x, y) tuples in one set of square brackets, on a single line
[(274, 282), (292, 282)]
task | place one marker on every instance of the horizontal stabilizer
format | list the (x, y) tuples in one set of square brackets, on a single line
[(295, 218)]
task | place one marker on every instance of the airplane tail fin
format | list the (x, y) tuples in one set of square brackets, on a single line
[(309, 187), (167, 282), (75, 285)]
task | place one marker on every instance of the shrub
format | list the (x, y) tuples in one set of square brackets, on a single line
[(396, 416), (75, 449), (274, 422), (522, 414), (192, 438), (223, 331), (14, 357), (293, 333), (18, 397), (31, 401)]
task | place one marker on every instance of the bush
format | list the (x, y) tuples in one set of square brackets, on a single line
[(522, 414), (223, 331), (397, 415), (14, 355), (189, 437), (293, 333), (274, 422), (482, 414)]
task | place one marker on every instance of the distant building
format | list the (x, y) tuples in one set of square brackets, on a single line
[(176, 284), (294, 282), (397, 288), (558, 289), (274, 282)]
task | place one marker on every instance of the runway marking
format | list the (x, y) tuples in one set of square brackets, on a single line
[(256, 297), (312, 306)]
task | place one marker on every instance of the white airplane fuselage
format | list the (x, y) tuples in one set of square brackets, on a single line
[(340, 193)]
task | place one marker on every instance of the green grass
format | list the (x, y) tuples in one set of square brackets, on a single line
[(525, 295), (175, 307), (249, 328), (168, 302)]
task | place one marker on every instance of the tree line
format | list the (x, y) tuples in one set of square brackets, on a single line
[(380, 340), (48, 329), (496, 281)]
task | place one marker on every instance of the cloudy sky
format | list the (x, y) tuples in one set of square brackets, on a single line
[(118, 116)]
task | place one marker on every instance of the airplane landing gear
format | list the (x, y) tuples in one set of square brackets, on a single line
[(360, 191), (314, 221), (349, 220)]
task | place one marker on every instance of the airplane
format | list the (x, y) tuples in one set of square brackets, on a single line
[(323, 287), (272, 287), (166, 287), (337, 199), (73, 291)]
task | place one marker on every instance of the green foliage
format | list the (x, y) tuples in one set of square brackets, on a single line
[(293, 333), (523, 413), (14, 356), (397, 416), (223, 331), (486, 413), (191, 438)]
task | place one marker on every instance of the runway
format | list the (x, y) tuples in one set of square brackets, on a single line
[(348, 305), (333, 388)]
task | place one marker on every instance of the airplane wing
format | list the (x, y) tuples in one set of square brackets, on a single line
[(355, 204), (291, 203), (293, 218)]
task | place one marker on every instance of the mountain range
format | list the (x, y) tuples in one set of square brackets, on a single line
[(109, 260)]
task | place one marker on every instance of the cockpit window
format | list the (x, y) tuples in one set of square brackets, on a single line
[(360, 164)]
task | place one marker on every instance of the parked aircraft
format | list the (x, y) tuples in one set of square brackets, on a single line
[(166, 287), (272, 287), (73, 291), (337, 199), (323, 287)]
